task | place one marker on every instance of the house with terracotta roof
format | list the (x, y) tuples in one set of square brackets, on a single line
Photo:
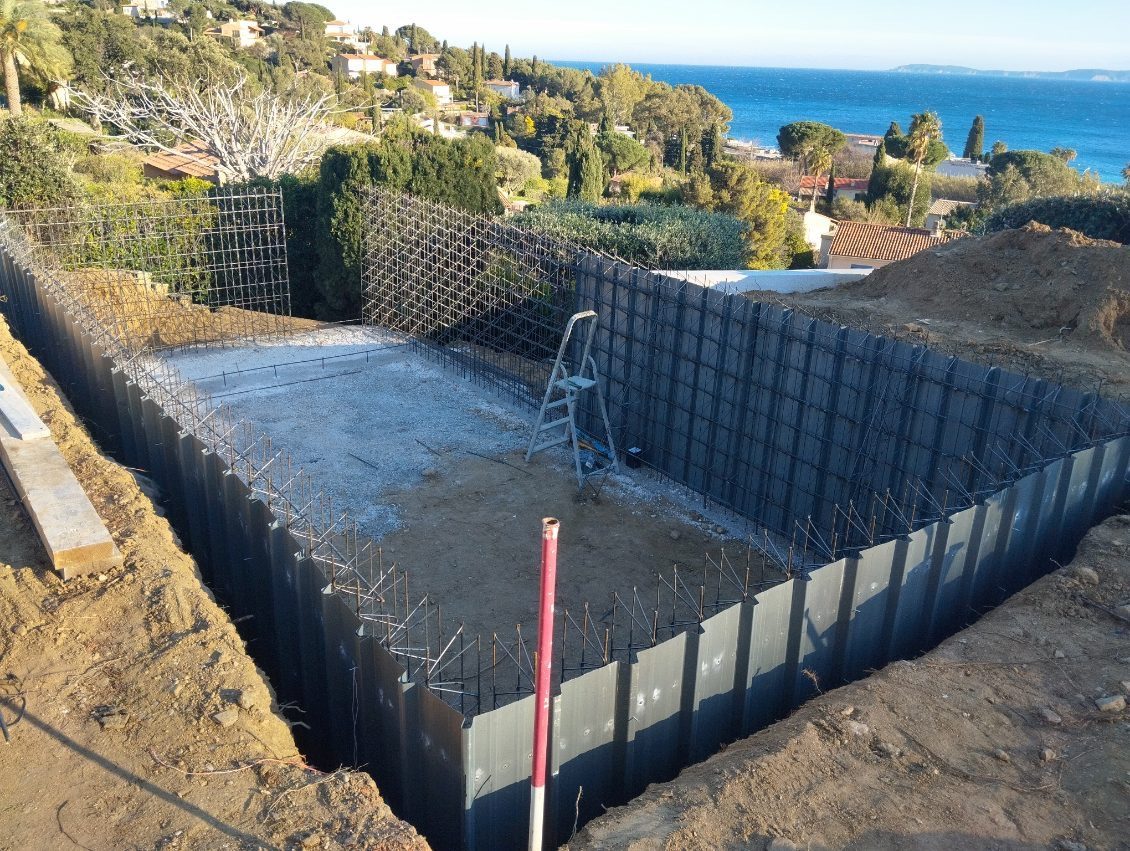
[(438, 88), (505, 88), (858, 245), (192, 159), (851, 188), (242, 33), (941, 209), (424, 63), (353, 65)]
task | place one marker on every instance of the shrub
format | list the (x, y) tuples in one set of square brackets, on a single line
[(1105, 216), (34, 167), (647, 235)]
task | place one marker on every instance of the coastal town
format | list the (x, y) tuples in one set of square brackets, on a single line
[(308, 324)]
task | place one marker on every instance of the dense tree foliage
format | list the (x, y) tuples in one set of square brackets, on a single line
[(29, 40), (652, 236), (34, 168), (737, 189), (975, 141), (326, 209), (1015, 176), (516, 168), (621, 153), (1102, 216)]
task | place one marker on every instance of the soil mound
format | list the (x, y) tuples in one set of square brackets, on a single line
[(1058, 283)]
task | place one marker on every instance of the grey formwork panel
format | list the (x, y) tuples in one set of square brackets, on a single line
[(436, 747), (237, 532), (137, 426), (125, 424), (821, 644), (654, 733), (1076, 507), (873, 601), (260, 569), (1112, 480), (586, 749), (944, 612), (382, 718), (712, 706), (155, 442), (191, 452), (284, 598), (175, 492), (983, 558), (770, 667), (919, 586), (497, 754), (343, 675), (214, 470), (1023, 561), (312, 650)]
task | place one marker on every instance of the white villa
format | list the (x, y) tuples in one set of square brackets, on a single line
[(243, 33), (353, 65), (440, 89), (149, 10), (505, 88)]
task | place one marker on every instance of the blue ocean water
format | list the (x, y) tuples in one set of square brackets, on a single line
[(1025, 112)]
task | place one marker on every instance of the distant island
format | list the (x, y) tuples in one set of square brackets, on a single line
[(1082, 74)]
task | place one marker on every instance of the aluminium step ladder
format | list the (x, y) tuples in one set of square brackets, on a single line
[(568, 388)]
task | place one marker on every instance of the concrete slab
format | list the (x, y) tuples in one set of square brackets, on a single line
[(73, 534), (16, 415)]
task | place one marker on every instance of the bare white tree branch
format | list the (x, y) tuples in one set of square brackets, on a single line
[(251, 135)]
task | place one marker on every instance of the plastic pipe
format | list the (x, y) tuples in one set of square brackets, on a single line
[(542, 680)]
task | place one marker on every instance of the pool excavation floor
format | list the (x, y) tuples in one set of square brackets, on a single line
[(432, 467)]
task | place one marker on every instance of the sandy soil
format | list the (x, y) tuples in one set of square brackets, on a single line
[(992, 741), (1052, 303), (433, 467), (142, 722)]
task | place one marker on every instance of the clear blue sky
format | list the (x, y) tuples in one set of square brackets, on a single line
[(1038, 35)]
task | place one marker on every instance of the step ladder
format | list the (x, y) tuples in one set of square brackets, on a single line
[(567, 388)]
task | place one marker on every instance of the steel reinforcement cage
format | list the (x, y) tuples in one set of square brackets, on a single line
[(386, 684)]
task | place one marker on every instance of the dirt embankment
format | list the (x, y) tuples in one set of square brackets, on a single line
[(1035, 300), (146, 725), (995, 740)]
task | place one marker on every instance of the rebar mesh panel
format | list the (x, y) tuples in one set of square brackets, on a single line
[(479, 293), (171, 272)]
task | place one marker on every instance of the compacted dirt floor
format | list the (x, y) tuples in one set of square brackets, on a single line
[(137, 718)]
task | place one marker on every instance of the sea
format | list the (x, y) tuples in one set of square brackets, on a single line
[(1030, 113)]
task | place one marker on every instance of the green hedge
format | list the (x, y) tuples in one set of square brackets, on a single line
[(1105, 216), (649, 235)]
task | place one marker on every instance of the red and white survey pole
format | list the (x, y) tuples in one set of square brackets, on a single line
[(549, 528)]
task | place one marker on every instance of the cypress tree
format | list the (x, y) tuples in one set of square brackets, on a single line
[(878, 173), (506, 63), (830, 192), (534, 66), (476, 66), (712, 144), (683, 151), (586, 173), (975, 142)]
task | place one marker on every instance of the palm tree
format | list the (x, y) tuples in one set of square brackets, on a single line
[(1126, 174), (28, 38), (925, 127)]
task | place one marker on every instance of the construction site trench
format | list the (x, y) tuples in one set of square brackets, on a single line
[(880, 495)]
